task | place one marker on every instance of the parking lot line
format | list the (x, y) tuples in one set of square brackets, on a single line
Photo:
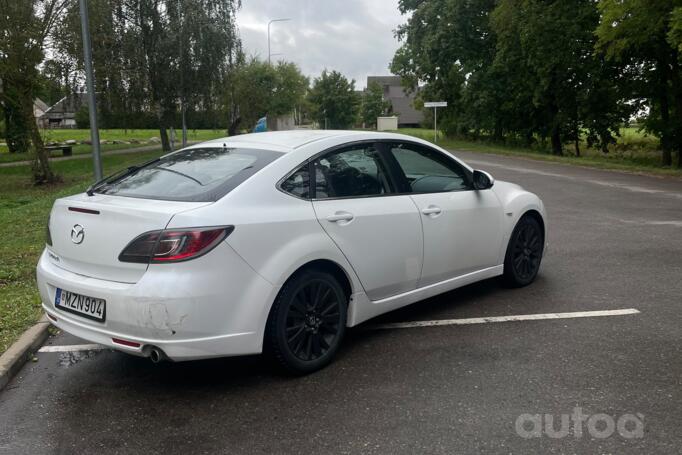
[(407, 325), (523, 317), (72, 348)]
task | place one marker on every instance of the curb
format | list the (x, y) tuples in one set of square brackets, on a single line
[(17, 355)]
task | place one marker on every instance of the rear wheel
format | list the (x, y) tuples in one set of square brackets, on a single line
[(524, 252), (307, 322)]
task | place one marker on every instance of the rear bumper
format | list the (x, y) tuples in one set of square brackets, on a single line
[(213, 306)]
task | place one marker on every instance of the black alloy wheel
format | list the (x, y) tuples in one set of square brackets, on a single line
[(524, 252), (307, 322)]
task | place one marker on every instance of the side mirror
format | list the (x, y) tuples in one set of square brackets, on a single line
[(483, 180)]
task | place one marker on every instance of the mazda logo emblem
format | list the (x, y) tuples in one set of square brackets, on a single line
[(77, 234)]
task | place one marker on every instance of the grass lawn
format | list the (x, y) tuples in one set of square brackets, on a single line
[(23, 214), (633, 153), (140, 136)]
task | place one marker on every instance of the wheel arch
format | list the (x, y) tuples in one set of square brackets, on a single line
[(345, 275), (331, 267), (517, 203), (537, 216)]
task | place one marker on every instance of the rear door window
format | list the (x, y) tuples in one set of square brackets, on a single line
[(356, 171), (202, 174)]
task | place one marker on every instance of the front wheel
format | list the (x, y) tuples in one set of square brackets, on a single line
[(524, 252), (307, 322)]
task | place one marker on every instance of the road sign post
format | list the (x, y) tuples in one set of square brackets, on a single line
[(435, 105)]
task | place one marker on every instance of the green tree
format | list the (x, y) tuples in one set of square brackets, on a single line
[(52, 85), (513, 69), (333, 100), (290, 89), (260, 89), (643, 36), (24, 29), (373, 104), (82, 118), (163, 56), (449, 46), (562, 76)]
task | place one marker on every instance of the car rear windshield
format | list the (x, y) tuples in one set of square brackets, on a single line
[(200, 174)]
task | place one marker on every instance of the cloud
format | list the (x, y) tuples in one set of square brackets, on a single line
[(354, 37)]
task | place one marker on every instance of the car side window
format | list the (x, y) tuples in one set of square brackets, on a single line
[(298, 183), (356, 171), (429, 171)]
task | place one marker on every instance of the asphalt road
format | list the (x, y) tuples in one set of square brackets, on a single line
[(616, 242)]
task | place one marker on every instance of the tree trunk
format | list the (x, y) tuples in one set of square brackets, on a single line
[(576, 139), (676, 80), (577, 147), (604, 146), (165, 142), (42, 173), (234, 126), (666, 138), (497, 133), (557, 148), (163, 128), (666, 142)]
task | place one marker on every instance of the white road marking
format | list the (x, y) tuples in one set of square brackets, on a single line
[(665, 223), (674, 223), (73, 348), (523, 317)]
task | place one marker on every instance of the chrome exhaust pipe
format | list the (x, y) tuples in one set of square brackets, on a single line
[(156, 355)]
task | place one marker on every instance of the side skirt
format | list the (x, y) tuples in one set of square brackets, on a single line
[(363, 309)]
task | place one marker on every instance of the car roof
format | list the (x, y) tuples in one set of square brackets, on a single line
[(285, 141)]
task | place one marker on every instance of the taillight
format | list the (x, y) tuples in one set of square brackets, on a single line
[(173, 245), (48, 234)]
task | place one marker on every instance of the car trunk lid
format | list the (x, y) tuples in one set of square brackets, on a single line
[(89, 232)]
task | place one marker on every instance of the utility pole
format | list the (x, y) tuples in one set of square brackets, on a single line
[(92, 102), (184, 126), (270, 22)]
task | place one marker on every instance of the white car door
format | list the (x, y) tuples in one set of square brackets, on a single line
[(462, 226), (378, 232)]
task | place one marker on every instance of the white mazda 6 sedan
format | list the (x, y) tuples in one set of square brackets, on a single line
[(276, 242)]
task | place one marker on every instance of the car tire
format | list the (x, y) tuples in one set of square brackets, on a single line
[(524, 253), (307, 322)]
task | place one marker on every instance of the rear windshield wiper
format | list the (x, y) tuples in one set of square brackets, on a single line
[(117, 176), (179, 173)]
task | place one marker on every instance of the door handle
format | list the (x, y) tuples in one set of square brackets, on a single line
[(340, 216), (432, 210)]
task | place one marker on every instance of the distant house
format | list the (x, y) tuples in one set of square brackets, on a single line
[(402, 103), (63, 113), (39, 109)]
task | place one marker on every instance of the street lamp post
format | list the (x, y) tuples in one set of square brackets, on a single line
[(92, 103), (270, 22)]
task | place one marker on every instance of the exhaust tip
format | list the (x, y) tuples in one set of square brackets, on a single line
[(156, 355)]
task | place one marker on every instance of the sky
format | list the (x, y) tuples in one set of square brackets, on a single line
[(354, 37)]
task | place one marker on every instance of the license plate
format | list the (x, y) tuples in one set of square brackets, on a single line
[(82, 305)]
